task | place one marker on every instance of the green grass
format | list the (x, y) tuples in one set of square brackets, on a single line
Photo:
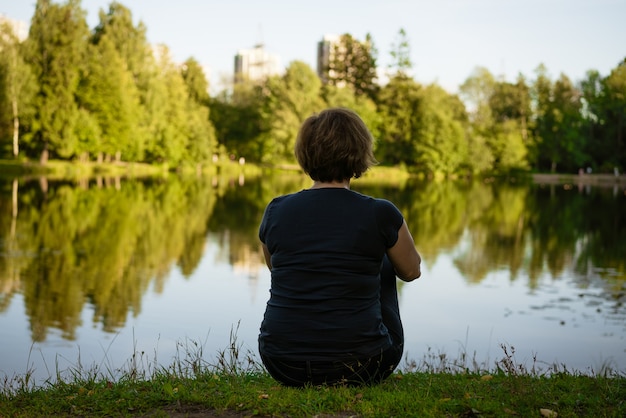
[(235, 384)]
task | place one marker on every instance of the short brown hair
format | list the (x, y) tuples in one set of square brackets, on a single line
[(334, 145)]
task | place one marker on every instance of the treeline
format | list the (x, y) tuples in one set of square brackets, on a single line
[(106, 94)]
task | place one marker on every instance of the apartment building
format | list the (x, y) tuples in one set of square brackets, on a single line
[(256, 64)]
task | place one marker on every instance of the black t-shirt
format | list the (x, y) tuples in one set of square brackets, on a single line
[(327, 247)]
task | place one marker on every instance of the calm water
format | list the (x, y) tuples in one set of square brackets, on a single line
[(95, 272)]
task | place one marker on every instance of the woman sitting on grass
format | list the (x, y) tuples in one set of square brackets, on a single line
[(334, 254)]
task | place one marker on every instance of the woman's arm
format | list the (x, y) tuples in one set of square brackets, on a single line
[(404, 257)]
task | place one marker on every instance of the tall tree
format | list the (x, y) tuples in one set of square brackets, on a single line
[(238, 120), (291, 99), (201, 142), (615, 108), (399, 107), (137, 57), (510, 110), (441, 147), (558, 123), (56, 48), (401, 63), (476, 92), (16, 86), (196, 81), (167, 111), (353, 63), (108, 92), (593, 115)]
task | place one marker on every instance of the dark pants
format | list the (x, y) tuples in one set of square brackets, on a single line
[(353, 371)]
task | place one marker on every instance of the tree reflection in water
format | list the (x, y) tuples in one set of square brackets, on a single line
[(105, 243)]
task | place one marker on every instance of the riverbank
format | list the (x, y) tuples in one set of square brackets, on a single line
[(419, 394), (236, 385), (606, 180), (71, 170)]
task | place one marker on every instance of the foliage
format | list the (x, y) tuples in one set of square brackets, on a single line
[(107, 94), (16, 87), (290, 100), (56, 48), (353, 64)]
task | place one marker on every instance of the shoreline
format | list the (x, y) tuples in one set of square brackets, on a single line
[(606, 180)]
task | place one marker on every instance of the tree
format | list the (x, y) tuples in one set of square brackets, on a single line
[(399, 108), (615, 108), (510, 110), (238, 120), (108, 92), (476, 91), (353, 64), (196, 81), (56, 48), (138, 59), (441, 147), (568, 129), (558, 123), (167, 112), (201, 133), (401, 55), (499, 113), (16, 86), (593, 117), (290, 100)]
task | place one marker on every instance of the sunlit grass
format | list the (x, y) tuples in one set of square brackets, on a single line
[(235, 382)]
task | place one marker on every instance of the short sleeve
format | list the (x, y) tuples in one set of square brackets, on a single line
[(389, 220)]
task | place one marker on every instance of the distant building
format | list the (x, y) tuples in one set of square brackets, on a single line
[(325, 53), (20, 28), (256, 64)]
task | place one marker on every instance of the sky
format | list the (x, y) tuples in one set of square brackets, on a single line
[(448, 39)]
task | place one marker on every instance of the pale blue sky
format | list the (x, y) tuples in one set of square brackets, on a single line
[(448, 38)]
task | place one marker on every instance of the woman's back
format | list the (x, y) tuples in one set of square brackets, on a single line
[(327, 246)]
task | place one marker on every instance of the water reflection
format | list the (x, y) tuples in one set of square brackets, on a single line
[(105, 243)]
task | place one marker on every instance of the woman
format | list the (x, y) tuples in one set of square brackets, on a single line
[(334, 254)]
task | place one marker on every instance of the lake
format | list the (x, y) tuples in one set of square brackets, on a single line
[(106, 273)]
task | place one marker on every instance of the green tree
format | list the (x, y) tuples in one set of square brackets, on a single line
[(353, 63), (201, 142), (138, 59), (167, 112), (441, 147), (108, 93), (290, 100), (510, 110), (238, 120), (615, 111), (399, 108), (196, 81), (559, 123), (499, 118), (401, 63), (476, 92), (129, 40), (592, 110), (56, 48), (16, 86)]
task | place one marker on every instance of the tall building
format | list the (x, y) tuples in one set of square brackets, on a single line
[(256, 64), (325, 52)]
